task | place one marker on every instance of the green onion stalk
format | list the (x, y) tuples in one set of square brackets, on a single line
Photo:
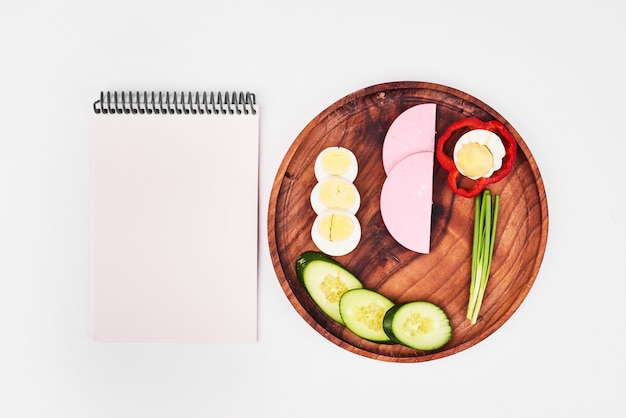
[(485, 220)]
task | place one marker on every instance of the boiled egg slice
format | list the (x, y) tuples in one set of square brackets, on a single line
[(478, 153), (336, 161), (336, 232), (335, 193)]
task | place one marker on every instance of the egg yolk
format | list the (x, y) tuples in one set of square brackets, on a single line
[(337, 193), (336, 227), (335, 161), (474, 160)]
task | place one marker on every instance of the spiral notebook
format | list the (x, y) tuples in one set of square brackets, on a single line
[(175, 217)]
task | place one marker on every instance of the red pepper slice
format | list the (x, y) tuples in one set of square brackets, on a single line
[(510, 146)]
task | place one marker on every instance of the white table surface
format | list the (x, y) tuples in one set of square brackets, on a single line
[(554, 69)]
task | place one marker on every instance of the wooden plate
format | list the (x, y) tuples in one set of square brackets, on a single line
[(359, 122)]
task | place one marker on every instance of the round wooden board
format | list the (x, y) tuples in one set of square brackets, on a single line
[(359, 122)]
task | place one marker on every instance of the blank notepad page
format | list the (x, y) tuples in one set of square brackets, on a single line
[(175, 227)]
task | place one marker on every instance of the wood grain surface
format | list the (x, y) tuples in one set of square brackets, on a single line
[(359, 122)]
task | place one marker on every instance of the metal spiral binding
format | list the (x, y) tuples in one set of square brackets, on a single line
[(175, 103)]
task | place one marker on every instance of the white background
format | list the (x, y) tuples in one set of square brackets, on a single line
[(554, 69)]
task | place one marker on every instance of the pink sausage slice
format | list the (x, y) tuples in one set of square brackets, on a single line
[(406, 201), (411, 132)]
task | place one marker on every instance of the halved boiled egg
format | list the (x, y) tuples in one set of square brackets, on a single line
[(335, 193), (336, 161), (336, 232), (478, 153)]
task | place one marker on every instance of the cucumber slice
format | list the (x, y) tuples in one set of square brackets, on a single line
[(421, 325), (325, 280), (362, 311)]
